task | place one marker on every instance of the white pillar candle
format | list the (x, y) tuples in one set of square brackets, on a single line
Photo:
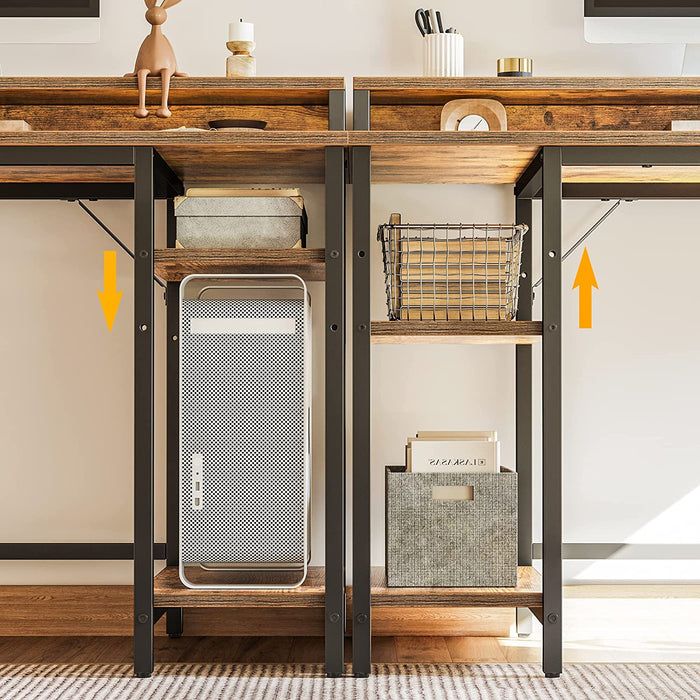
[(241, 31)]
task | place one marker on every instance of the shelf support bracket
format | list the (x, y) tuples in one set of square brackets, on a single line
[(114, 237)]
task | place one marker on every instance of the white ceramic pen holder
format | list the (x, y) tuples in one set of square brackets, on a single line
[(443, 55)]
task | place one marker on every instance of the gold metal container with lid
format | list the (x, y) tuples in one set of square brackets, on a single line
[(515, 67)]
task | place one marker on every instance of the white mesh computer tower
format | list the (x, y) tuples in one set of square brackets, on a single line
[(245, 412)]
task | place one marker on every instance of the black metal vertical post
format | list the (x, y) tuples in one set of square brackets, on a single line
[(523, 408), (175, 616), (361, 592), (144, 191), (551, 410), (336, 110), (335, 410), (361, 110)]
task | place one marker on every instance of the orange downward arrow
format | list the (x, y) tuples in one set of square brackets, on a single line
[(585, 281), (110, 298)]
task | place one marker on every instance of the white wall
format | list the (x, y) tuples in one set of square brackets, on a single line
[(631, 443)]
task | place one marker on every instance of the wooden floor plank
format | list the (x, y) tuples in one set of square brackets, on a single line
[(308, 650), (215, 650), (384, 650), (112, 650), (260, 650), (38, 650), (522, 652), (597, 648), (422, 650), (478, 650)]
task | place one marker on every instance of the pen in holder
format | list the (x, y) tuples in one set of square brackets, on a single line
[(443, 55)]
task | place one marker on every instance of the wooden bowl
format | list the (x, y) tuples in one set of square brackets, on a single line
[(237, 124)]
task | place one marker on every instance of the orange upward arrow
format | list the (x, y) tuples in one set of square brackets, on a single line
[(110, 298), (585, 281)]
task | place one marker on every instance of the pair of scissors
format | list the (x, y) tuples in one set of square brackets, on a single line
[(422, 18)]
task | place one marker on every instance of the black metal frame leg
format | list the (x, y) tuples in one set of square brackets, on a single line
[(361, 597), (174, 621), (523, 410), (335, 411), (144, 191), (551, 410)]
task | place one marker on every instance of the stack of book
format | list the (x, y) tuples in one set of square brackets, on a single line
[(454, 451)]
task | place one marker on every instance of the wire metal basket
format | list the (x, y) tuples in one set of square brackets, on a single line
[(456, 272)]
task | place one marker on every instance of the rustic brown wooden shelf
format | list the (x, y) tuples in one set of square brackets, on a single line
[(170, 592), (280, 157), (527, 594), (190, 90), (536, 90), (298, 157), (499, 158), (174, 264), (456, 332)]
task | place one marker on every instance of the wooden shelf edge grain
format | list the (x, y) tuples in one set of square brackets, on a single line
[(533, 139), (157, 138), (170, 592), (591, 90), (190, 90), (456, 332), (527, 594), (174, 264)]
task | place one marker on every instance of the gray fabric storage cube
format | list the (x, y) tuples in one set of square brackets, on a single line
[(240, 222), (451, 542)]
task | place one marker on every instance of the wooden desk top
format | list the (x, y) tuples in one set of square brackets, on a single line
[(287, 157), (407, 145)]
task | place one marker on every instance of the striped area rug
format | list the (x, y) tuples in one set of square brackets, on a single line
[(400, 681)]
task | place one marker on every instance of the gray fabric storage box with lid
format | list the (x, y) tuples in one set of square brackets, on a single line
[(241, 218), (436, 537)]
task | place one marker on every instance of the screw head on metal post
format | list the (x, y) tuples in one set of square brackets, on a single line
[(362, 327), (334, 617), (552, 618), (362, 618), (553, 327), (143, 253), (335, 254), (142, 618)]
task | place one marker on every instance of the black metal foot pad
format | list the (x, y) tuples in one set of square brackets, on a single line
[(361, 675), (143, 675), (175, 636), (552, 675), (334, 675)]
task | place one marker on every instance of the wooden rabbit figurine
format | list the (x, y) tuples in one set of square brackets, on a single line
[(156, 55)]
